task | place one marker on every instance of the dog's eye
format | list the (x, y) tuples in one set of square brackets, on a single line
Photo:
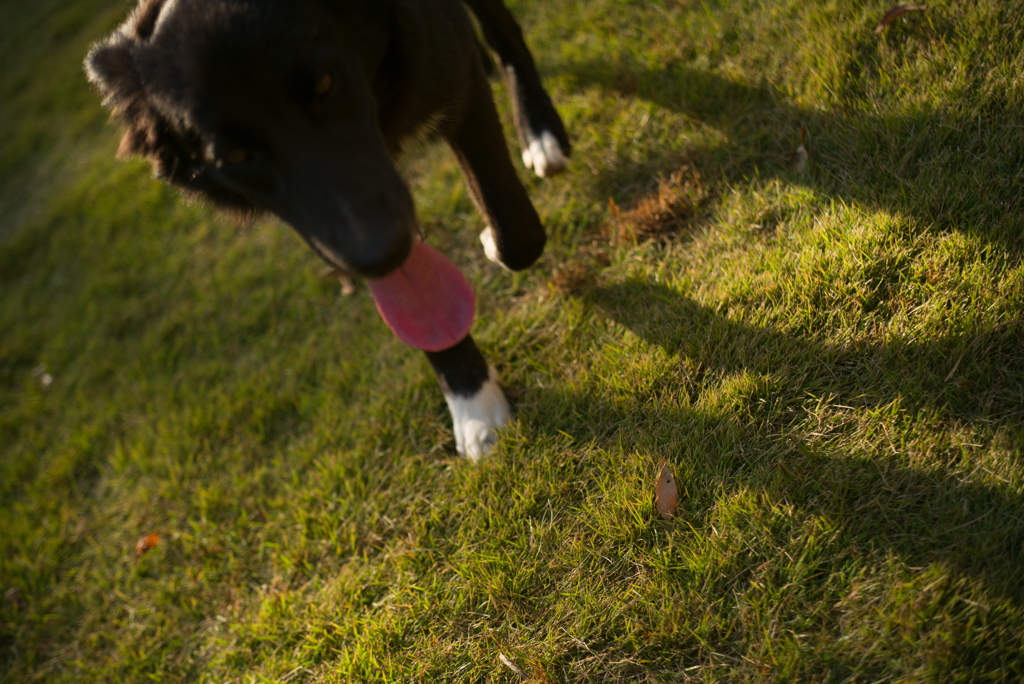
[(323, 83), (236, 157)]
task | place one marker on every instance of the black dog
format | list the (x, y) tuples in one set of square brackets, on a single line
[(298, 107)]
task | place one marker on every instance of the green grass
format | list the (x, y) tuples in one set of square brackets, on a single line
[(832, 362)]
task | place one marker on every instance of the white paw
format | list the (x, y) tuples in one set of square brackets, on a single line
[(544, 155), (477, 418), (491, 246)]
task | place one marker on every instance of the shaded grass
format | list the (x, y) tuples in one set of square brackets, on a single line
[(850, 500)]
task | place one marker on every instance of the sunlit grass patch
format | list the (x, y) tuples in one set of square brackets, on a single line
[(828, 358)]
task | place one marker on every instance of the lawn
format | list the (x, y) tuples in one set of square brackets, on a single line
[(826, 349)]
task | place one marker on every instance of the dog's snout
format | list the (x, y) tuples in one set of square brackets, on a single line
[(369, 239), (373, 259), (378, 257), (382, 234)]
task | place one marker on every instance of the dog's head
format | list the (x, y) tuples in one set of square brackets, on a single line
[(266, 105)]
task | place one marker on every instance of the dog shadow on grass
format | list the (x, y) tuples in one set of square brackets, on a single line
[(945, 170), (925, 514)]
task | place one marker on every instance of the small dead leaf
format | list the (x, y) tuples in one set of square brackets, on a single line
[(16, 597), (895, 13), (510, 665), (665, 493), (146, 543)]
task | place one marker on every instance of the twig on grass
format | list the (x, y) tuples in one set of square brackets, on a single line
[(978, 339), (510, 665), (895, 13), (293, 674)]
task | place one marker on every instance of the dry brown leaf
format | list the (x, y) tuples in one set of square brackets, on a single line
[(146, 543), (16, 597), (895, 13), (665, 492)]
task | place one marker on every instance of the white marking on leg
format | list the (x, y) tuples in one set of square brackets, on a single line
[(491, 246), (477, 418), (557, 161), (545, 155)]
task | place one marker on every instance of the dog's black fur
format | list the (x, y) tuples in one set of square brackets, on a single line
[(298, 107)]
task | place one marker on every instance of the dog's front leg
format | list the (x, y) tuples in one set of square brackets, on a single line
[(541, 132), (514, 237), (477, 404)]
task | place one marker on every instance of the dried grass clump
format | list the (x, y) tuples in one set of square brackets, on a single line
[(661, 213), (573, 276)]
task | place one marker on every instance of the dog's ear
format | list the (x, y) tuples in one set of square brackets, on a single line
[(175, 151), (110, 67), (111, 64)]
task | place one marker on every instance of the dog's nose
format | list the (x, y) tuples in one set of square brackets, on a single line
[(380, 235), (371, 259), (371, 240), (380, 255)]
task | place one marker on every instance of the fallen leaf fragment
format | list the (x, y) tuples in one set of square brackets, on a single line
[(16, 597), (510, 665), (895, 13), (146, 543), (665, 493)]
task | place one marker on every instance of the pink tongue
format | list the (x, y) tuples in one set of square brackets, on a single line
[(426, 301)]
